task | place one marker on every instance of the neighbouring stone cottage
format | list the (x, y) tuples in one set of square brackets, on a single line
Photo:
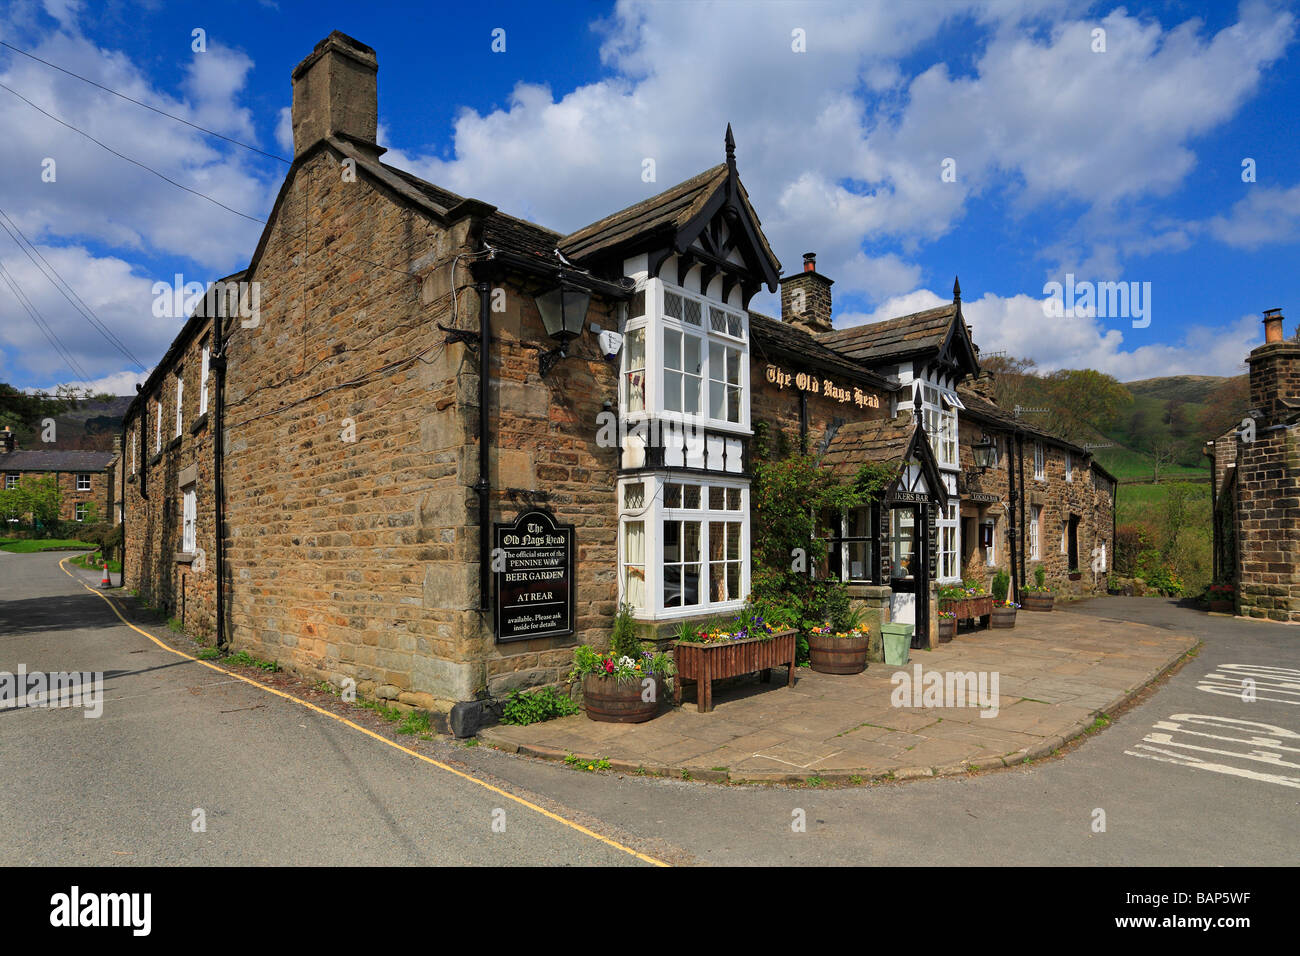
[(429, 446), (1256, 485), (84, 478)]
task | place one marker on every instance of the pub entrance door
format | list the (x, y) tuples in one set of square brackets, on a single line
[(910, 569)]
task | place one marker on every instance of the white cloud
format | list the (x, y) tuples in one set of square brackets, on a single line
[(1265, 215)]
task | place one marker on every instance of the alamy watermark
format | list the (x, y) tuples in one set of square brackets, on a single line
[(24, 688), (1102, 300), (946, 689), (182, 299)]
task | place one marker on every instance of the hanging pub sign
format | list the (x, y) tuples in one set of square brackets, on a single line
[(808, 382), (532, 561)]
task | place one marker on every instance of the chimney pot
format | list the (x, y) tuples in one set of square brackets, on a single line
[(810, 262), (1272, 326)]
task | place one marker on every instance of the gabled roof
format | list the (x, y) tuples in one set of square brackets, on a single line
[(893, 340), (674, 219), (769, 336), (890, 441), (56, 460), (669, 210)]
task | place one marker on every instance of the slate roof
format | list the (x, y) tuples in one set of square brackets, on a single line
[(877, 440), (771, 336), (893, 339), (56, 460)]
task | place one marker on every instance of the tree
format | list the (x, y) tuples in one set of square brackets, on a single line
[(1014, 380), (1164, 451), (38, 497), (23, 412), (1225, 407), (1084, 403)]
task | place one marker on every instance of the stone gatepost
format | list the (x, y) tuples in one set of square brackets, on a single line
[(874, 601)]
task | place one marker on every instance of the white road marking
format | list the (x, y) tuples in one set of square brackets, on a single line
[(1273, 742), (1277, 684)]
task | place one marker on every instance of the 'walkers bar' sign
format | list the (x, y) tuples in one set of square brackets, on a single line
[(532, 561)]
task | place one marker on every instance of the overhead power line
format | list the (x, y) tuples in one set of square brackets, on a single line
[(134, 162), (171, 116), (84, 310), (50, 335)]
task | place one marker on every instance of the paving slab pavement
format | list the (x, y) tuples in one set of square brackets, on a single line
[(1055, 672)]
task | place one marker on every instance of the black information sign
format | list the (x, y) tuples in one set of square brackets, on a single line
[(532, 561)]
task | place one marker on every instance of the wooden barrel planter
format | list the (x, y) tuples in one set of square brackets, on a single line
[(705, 663), (1036, 600), (1003, 617), (947, 629), (613, 702), (828, 654)]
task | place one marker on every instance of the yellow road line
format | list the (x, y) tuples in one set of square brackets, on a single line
[(369, 733)]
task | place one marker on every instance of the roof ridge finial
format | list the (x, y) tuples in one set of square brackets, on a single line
[(956, 289), (731, 147)]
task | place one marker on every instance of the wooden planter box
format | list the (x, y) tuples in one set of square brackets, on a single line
[(705, 663), (970, 608), (838, 655), (1036, 600)]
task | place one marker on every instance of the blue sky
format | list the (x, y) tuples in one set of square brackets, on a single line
[(1114, 164)]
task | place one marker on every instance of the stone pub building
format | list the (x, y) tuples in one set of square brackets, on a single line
[(447, 442)]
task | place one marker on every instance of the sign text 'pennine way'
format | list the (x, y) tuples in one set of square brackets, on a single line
[(533, 567)]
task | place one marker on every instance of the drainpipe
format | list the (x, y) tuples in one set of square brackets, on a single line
[(803, 422), (1020, 461), (483, 486), (1011, 515)]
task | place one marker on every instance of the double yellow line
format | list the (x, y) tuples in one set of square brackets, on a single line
[(369, 733)]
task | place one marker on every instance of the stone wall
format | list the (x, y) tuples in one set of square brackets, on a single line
[(179, 584)]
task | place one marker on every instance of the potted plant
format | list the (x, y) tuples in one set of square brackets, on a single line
[(1037, 596), (1074, 574), (967, 600), (624, 684), (749, 642), (1222, 598), (947, 626), (839, 650), (1004, 611)]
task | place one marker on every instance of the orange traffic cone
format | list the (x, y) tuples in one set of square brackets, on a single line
[(107, 582)]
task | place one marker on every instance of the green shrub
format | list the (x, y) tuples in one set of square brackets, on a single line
[(536, 706), (623, 641), (1040, 577), (1001, 583)]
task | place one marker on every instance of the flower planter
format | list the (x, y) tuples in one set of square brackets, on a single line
[(1075, 575), (611, 701), (705, 663), (828, 654), (1036, 600), (972, 607), (1222, 607), (1003, 617), (947, 629)]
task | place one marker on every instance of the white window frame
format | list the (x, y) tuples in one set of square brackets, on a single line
[(991, 552), (1069, 466), (655, 322), (180, 397), (203, 381), (80, 476), (872, 540), (157, 432), (1040, 462), (189, 518), (939, 406), (1035, 520), (948, 542), (135, 441), (1065, 536), (11, 481), (79, 510), (653, 514)]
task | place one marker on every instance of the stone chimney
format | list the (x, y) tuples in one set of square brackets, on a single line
[(335, 91), (1274, 371), (8, 441), (806, 298)]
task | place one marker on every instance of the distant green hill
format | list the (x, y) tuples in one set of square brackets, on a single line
[(1190, 388)]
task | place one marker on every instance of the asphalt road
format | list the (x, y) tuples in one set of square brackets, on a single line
[(281, 784), (277, 783)]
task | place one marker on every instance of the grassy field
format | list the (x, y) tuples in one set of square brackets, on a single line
[(33, 545), (95, 562), (1186, 542), (1126, 464)]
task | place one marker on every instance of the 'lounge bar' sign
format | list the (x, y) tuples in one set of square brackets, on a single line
[(532, 561)]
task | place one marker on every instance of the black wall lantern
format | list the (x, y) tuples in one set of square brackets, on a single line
[(563, 310), (983, 451)]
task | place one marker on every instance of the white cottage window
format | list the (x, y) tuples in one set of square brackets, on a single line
[(939, 410), (157, 431), (203, 381), (946, 525), (189, 516), (1040, 465), (1069, 466), (685, 545), (1033, 531)]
